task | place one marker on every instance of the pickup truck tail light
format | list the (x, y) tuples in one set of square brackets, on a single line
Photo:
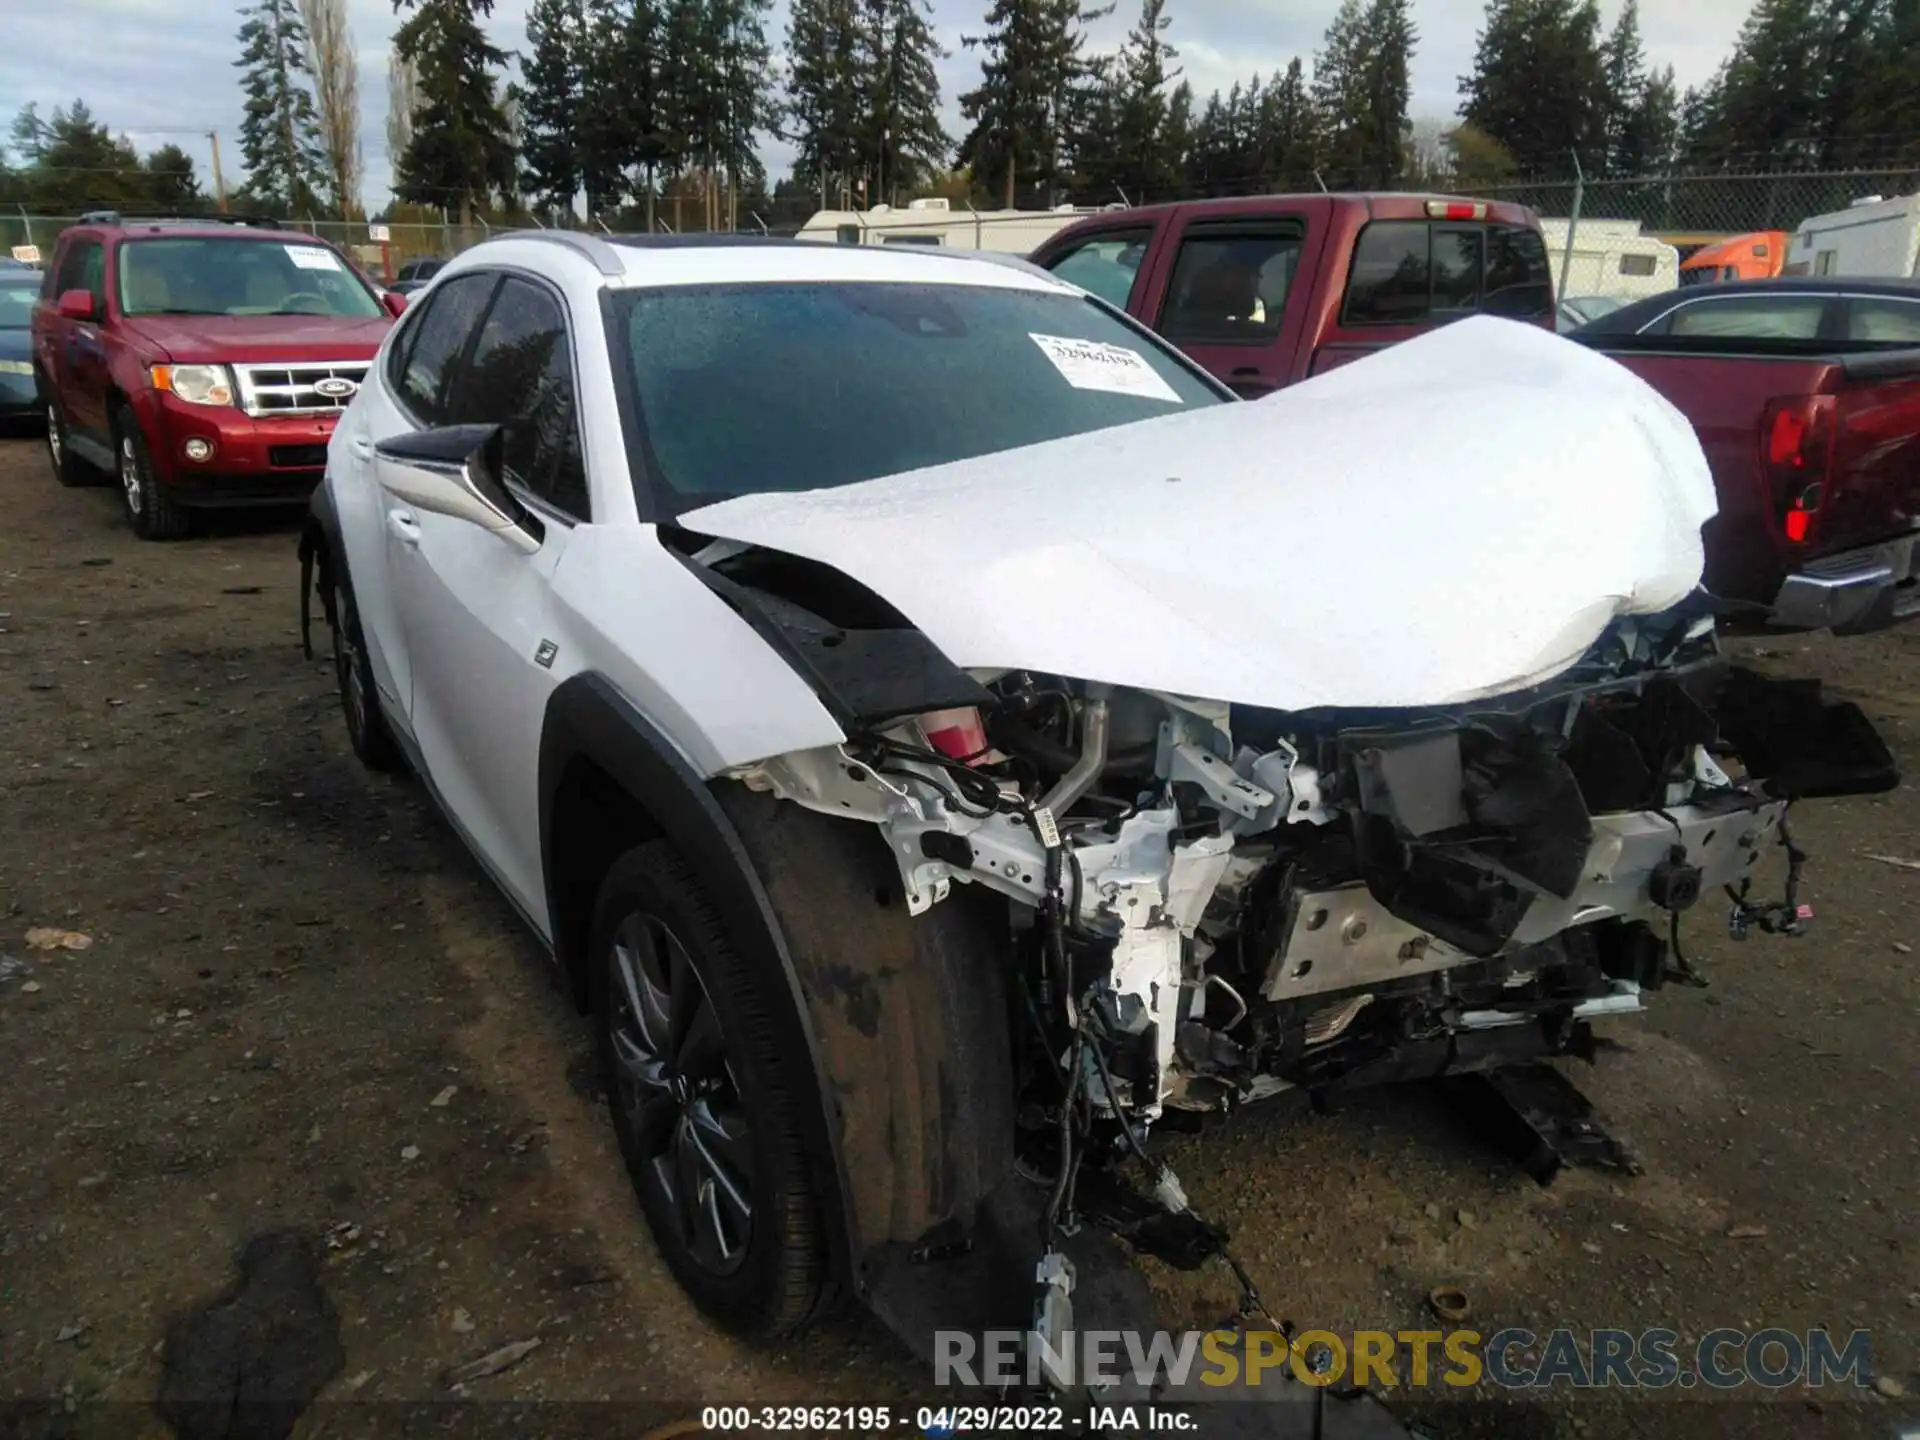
[(1457, 209), (1796, 445)]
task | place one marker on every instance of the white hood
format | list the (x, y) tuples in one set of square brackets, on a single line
[(1455, 517)]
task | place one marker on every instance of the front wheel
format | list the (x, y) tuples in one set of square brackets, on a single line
[(149, 507), (704, 1102)]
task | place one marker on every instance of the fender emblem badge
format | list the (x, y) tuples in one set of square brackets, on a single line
[(543, 656)]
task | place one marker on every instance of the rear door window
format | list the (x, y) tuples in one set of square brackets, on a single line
[(1230, 283), (1406, 272), (1107, 265), (1883, 321), (435, 341), (1748, 317), (1392, 275)]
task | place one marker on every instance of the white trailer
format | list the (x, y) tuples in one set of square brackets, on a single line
[(1870, 238), (936, 222), (1611, 258)]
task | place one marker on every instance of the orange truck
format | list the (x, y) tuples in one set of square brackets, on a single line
[(1755, 256)]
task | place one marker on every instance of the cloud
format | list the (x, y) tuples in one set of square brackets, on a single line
[(162, 70)]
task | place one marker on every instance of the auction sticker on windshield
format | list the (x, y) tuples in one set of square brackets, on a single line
[(1096, 365), (312, 257)]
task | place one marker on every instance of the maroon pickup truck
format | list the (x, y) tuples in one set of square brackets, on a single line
[(1266, 290), (1806, 397)]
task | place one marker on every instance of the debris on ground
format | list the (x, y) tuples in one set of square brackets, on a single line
[(49, 937), (247, 1365), (1449, 1303), (462, 1322), (409, 1152), (492, 1363), (1747, 1232), (71, 1331), (444, 1098), (1896, 861), (1891, 1388)]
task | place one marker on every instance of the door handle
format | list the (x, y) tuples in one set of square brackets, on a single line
[(405, 528), (1246, 371), (361, 446)]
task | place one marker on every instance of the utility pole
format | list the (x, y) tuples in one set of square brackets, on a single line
[(219, 184)]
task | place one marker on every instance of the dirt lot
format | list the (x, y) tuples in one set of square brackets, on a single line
[(303, 1009)]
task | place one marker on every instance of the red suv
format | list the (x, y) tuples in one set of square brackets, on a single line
[(203, 362)]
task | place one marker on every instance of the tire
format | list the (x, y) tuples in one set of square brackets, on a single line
[(149, 507), (734, 1215), (367, 729), (68, 468)]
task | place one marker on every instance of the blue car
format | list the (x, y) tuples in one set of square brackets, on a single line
[(18, 398)]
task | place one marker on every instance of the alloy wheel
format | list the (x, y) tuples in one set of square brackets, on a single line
[(130, 476), (676, 1086), (346, 660), (55, 447)]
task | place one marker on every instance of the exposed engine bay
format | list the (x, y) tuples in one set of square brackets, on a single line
[(1236, 901), (1210, 903)]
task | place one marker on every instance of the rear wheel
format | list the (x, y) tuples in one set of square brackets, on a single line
[(367, 728), (149, 507), (68, 468), (704, 1101)]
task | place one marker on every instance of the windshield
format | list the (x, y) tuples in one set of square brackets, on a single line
[(219, 276), (747, 388), (17, 294)]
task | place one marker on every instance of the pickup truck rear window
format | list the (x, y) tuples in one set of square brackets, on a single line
[(1405, 272)]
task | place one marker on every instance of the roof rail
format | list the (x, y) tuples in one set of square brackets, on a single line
[(605, 258), (115, 217)]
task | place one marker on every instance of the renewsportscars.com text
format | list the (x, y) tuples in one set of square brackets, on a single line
[(1511, 1359)]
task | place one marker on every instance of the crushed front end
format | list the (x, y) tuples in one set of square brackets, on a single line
[(1211, 903)]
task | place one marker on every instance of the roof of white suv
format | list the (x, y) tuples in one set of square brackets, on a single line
[(658, 260)]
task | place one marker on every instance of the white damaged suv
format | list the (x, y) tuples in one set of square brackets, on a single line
[(941, 735)]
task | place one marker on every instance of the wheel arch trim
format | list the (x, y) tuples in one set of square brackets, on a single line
[(588, 718)]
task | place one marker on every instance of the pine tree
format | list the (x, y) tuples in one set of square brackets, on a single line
[(279, 132), (1884, 121), (1767, 100), (824, 99), (1361, 90), (638, 81), (460, 152), (900, 132), (1625, 60), (549, 93), (715, 96), (1539, 86), (1141, 75), (1032, 71)]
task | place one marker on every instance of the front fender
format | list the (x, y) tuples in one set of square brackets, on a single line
[(903, 1021)]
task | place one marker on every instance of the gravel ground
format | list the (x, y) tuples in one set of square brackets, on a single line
[(302, 1009)]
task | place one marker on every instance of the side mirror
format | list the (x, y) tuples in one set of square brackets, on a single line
[(396, 303), (455, 470), (75, 304)]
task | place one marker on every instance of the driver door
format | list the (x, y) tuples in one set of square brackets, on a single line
[(476, 612)]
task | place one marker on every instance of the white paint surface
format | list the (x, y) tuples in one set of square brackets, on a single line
[(1455, 517)]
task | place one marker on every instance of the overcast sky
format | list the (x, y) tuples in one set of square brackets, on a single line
[(162, 70)]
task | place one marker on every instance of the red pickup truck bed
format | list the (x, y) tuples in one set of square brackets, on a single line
[(1816, 459)]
